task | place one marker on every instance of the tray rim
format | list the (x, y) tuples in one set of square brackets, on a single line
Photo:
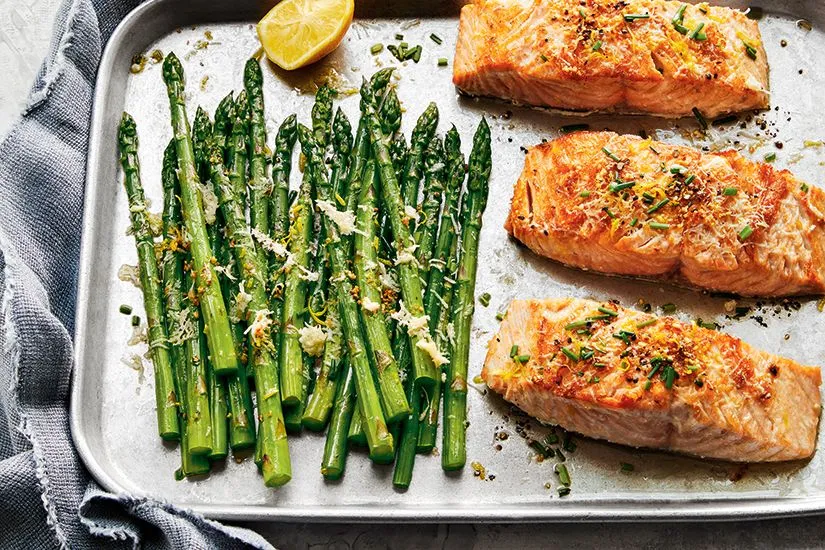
[(617, 510)]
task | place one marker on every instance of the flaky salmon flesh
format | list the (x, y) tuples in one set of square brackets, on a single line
[(631, 378), (641, 56), (629, 206)]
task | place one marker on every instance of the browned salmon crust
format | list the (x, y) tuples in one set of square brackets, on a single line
[(595, 56), (644, 381), (624, 205)]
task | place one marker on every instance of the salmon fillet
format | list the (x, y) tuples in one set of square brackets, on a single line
[(624, 205), (605, 55), (632, 378)]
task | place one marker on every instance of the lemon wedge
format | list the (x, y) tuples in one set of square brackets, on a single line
[(296, 33)]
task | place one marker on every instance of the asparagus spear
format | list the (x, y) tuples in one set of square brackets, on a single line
[(335, 447), (405, 457), (399, 152), (219, 336), (322, 115), (453, 454), (426, 231), (291, 359), (218, 409), (423, 367), (242, 414), (201, 134), (236, 154), (198, 416), (259, 180), (357, 436), (393, 400), (275, 462), (439, 288), (321, 401), (150, 283), (173, 249), (422, 135), (378, 437), (389, 113)]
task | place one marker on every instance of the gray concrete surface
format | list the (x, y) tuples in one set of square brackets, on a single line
[(24, 37)]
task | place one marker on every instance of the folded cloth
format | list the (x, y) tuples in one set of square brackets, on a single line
[(47, 499)]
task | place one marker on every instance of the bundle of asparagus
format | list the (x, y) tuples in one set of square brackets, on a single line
[(251, 284)]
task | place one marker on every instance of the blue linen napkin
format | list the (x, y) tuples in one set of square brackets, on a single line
[(47, 499)]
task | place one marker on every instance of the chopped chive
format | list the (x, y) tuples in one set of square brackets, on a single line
[(564, 475), (669, 308), (625, 336), (435, 38), (620, 186), (125, 309), (770, 157), (636, 16), (626, 466), (654, 370), (522, 358), (659, 226), (576, 324), (805, 187), (564, 491), (689, 179), (582, 14), (376, 48), (648, 384), (745, 232), (610, 154), (700, 118), (135, 320), (609, 212), (730, 191), (399, 36), (394, 51), (647, 197), (681, 28), (680, 15), (514, 351), (570, 354), (442, 61), (608, 311), (670, 375), (597, 46), (595, 379), (499, 316), (543, 58), (598, 317), (484, 299), (415, 54), (584, 194), (586, 353), (646, 323), (551, 439), (568, 444), (569, 128), (661, 204), (750, 50), (697, 34), (677, 169), (633, 222), (710, 325), (539, 448)]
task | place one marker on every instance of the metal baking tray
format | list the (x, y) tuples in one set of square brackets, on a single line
[(112, 415)]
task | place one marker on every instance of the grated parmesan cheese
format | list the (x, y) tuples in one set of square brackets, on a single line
[(312, 340), (242, 299), (129, 274), (369, 305), (407, 255), (269, 244), (185, 329), (411, 213), (259, 328), (210, 204), (139, 335), (135, 362), (345, 220), (429, 346), (416, 326)]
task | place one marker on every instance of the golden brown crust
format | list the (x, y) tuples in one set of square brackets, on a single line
[(624, 205), (588, 56), (633, 378)]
